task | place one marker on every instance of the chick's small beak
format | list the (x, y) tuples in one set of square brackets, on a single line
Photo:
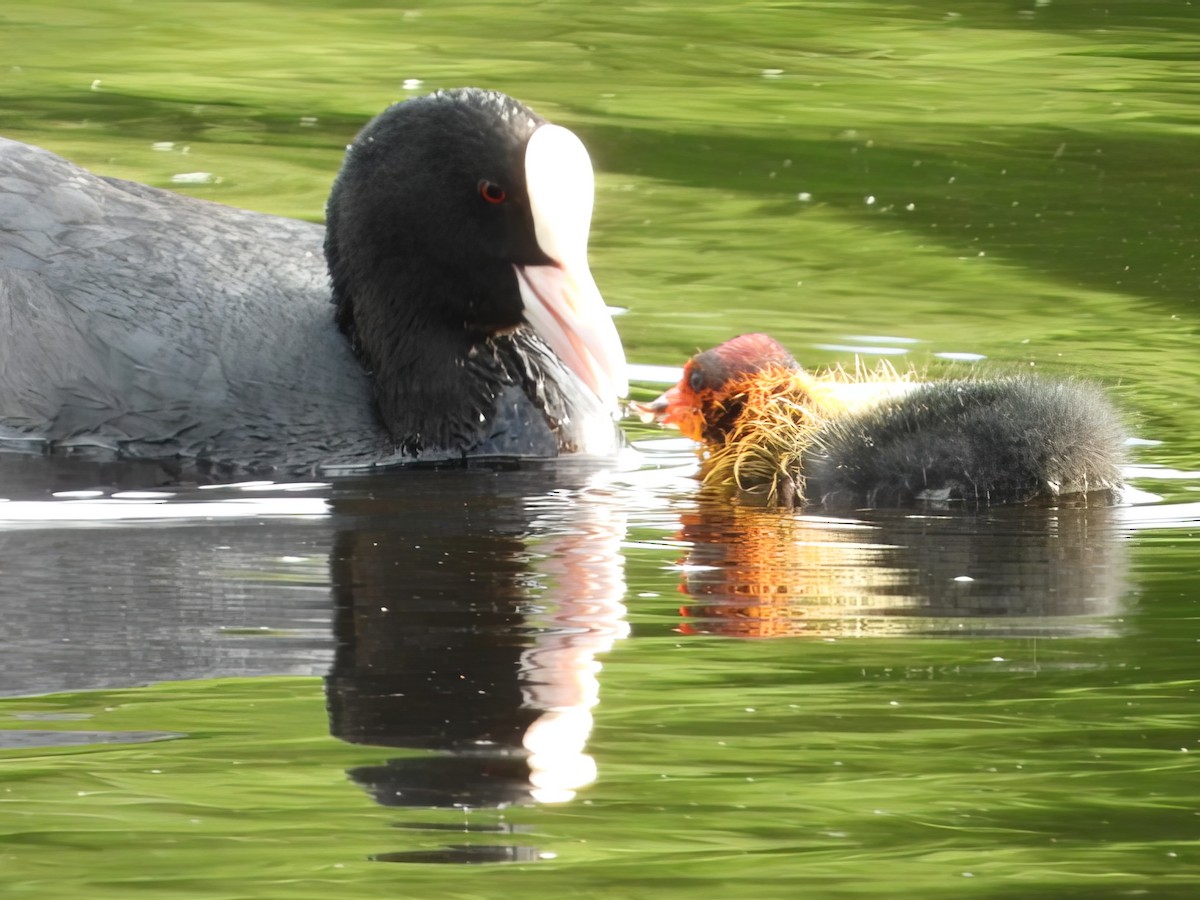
[(659, 410), (676, 407)]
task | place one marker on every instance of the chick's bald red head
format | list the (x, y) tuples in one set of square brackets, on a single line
[(704, 404)]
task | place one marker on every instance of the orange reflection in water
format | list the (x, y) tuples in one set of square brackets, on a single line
[(762, 573)]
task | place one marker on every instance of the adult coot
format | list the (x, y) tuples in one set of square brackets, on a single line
[(464, 322), (774, 432)]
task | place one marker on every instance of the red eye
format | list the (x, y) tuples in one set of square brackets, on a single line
[(492, 192)]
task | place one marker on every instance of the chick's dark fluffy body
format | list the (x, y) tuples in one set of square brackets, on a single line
[(1003, 440)]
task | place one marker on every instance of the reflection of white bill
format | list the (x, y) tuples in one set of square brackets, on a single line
[(583, 579), (558, 767)]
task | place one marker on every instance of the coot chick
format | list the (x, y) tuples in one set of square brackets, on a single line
[(775, 433), (465, 319)]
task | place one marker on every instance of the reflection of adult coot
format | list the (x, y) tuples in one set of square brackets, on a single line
[(433, 594)]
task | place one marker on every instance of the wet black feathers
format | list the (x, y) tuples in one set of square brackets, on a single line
[(423, 295), (997, 441)]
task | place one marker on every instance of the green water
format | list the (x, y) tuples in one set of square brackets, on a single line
[(1016, 180)]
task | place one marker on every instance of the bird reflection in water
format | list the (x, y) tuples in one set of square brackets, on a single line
[(1003, 571), (471, 631)]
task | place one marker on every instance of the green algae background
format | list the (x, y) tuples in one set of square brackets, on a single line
[(864, 769), (1009, 179)]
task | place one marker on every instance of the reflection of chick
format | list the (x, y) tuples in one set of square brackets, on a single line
[(788, 437), (1017, 570)]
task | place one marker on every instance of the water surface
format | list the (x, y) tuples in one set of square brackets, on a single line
[(587, 671)]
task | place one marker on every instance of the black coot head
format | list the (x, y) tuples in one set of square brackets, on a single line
[(439, 180), (456, 220)]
